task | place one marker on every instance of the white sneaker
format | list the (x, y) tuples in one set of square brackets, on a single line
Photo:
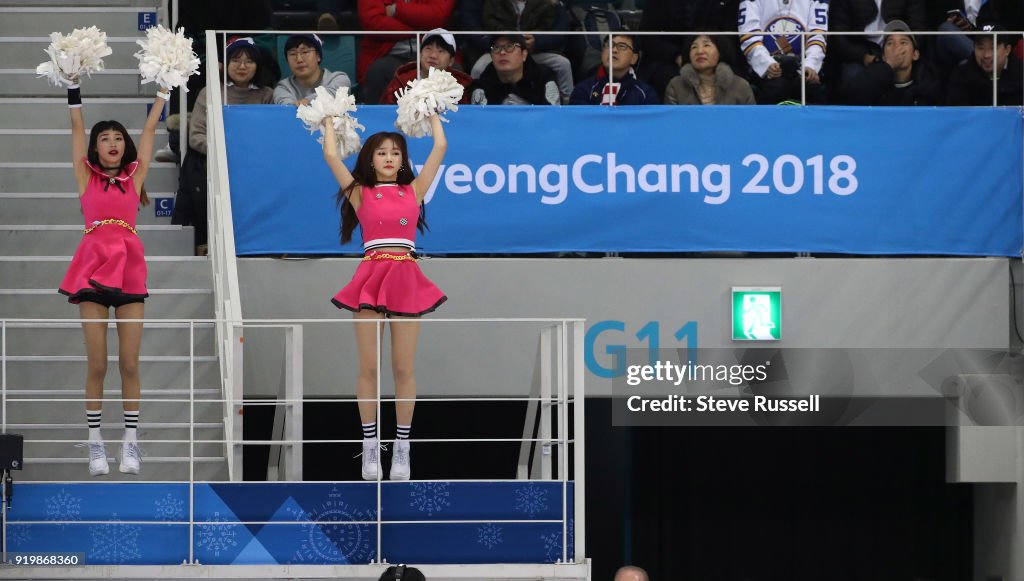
[(165, 153), (371, 456), (97, 459), (400, 463), (131, 457)]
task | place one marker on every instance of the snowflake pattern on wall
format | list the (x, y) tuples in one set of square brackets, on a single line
[(553, 544), (216, 538), (430, 497), (330, 540), (531, 499), (18, 537), (115, 543), (489, 535), (63, 507), (170, 508)]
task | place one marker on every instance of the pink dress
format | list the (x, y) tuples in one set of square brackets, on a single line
[(110, 259), (388, 282)]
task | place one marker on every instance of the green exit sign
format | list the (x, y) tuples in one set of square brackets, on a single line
[(756, 313)]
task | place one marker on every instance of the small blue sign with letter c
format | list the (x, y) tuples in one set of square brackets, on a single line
[(164, 207)]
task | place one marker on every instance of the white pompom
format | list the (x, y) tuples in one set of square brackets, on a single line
[(338, 106), (424, 98), (72, 56), (166, 58)]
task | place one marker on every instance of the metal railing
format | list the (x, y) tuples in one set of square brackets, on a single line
[(557, 395)]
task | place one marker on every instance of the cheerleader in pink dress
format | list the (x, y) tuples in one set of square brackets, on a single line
[(108, 269), (385, 199)]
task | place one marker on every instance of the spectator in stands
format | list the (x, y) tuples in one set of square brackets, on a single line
[(900, 77), (965, 16), (971, 82), (380, 56), (436, 51), (631, 573), (337, 15), (707, 78), (854, 53), (246, 85), (532, 15), (304, 53), (624, 89), (513, 78), (778, 57), (665, 55), (471, 17)]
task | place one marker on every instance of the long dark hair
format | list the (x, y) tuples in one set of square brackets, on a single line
[(130, 153), (363, 174)]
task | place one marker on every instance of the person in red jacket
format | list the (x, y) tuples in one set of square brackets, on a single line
[(436, 51), (380, 56)]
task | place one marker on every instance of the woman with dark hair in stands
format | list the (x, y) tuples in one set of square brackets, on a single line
[(108, 269), (383, 196), (247, 83), (707, 77)]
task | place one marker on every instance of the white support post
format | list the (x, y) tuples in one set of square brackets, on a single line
[(578, 437), (293, 389)]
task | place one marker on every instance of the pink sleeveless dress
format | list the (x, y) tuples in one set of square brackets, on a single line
[(110, 259), (389, 283)]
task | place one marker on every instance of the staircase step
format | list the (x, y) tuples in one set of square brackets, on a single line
[(24, 52), (52, 112), (155, 412), (36, 145), (43, 239), (161, 304), (63, 209), (152, 471), (60, 177), (173, 372), (41, 21), (155, 393), (67, 339), (109, 82), (162, 271)]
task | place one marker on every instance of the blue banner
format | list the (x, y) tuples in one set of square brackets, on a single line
[(322, 523), (661, 179)]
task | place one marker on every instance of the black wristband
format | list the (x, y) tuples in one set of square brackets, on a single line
[(74, 97)]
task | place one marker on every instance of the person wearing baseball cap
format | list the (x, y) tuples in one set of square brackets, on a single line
[(437, 50), (899, 77), (304, 53), (971, 81)]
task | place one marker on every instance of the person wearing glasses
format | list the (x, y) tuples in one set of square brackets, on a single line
[(707, 78), (513, 78), (304, 53), (246, 84), (527, 16), (624, 88)]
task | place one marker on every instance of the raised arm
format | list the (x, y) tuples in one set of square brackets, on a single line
[(422, 182), (78, 140), (339, 170), (149, 136)]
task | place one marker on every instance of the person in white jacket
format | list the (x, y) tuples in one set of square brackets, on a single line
[(779, 54)]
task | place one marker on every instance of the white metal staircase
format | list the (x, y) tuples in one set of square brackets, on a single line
[(40, 225)]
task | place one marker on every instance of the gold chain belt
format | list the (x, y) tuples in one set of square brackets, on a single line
[(114, 221), (388, 256)]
